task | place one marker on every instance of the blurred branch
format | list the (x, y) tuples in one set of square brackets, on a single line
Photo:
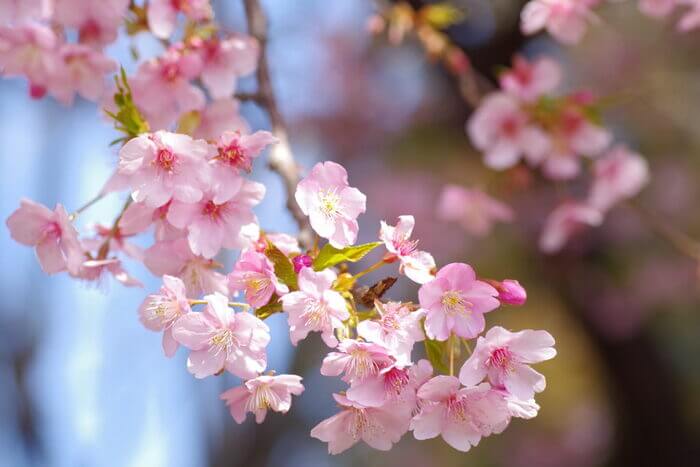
[(281, 158), (664, 229)]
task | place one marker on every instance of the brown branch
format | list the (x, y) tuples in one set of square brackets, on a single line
[(281, 159)]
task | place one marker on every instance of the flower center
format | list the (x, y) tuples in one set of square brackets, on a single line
[(404, 246), (165, 159), (453, 302), (500, 358), (329, 201), (263, 398), (232, 154), (223, 341), (316, 315), (361, 424), (395, 380), (457, 409), (361, 364), (256, 284), (162, 310), (212, 209)]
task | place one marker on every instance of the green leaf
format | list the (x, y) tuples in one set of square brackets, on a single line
[(441, 15), (269, 309), (435, 351), (128, 118), (284, 269), (330, 256)]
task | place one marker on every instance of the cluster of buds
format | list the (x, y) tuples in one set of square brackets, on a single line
[(523, 121)]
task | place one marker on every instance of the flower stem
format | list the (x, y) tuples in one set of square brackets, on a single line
[(372, 268), (231, 304), (663, 228), (451, 343), (85, 206)]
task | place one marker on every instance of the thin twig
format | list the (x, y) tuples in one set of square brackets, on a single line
[(85, 206), (281, 159), (664, 229), (104, 248)]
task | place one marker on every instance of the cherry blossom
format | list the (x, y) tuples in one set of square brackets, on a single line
[(162, 14), (80, 73), (18, 11), (565, 221), (356, 360), (224, 60), (221, 339), (395, 384), (510, 292), (397, 328), (618, 175), (331, 204), (30, 50), (416, 264), (461, 416), (530, 80), (501, 129), (315, 307), (160, 311), (657, 8), (97, 22), (212, 223), (50, 232), (284, 242), (95, 270), (163, 165), (162, 89), (455, 302), (255, 275), (475, 211), (261, 394), (302, 261), (565, 20), (379, 427), (219, 116), (504, 356), (175, 258)]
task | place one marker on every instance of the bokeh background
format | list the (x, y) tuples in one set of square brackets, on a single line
[(82, 383)]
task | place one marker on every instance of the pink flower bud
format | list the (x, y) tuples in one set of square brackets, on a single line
[(510, 292), (301, 261)]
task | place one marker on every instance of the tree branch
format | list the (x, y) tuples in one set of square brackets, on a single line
[(281, 159)]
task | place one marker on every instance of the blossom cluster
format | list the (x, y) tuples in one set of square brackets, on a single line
[(524, 121), (567, 20), (185, 162)]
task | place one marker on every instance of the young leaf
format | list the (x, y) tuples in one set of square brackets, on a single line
[(284, 269), (441, 15), (330, 256), (268, 310), (127, 118)]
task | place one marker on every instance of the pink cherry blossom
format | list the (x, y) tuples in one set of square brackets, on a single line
[(286, 243), (331, 204), (691, 18), (214, 223), (224, 60), (618, 175), (30, 50), (565, 221), (530, 80), (82, 72), (416, 264), (162, 14), (236, 153), (221, 339), (160, 311), (162, 89), (302, 261), (574, 136), (254, 274), (356, 360), (95, 270), (565, 20), (461, 416), (175, 258), (397, 329), (518, 408), (501, 129), (395, 384), (163, 165), (97, 22), (18, 11), (475, 211), (504, 358), (315, 307), (117, 241), (261, 394), (455, 302), (50, 232), (219, 116), (379, 427)]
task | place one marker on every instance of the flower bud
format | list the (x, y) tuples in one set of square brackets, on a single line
[(510, 292), (301, 261)]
